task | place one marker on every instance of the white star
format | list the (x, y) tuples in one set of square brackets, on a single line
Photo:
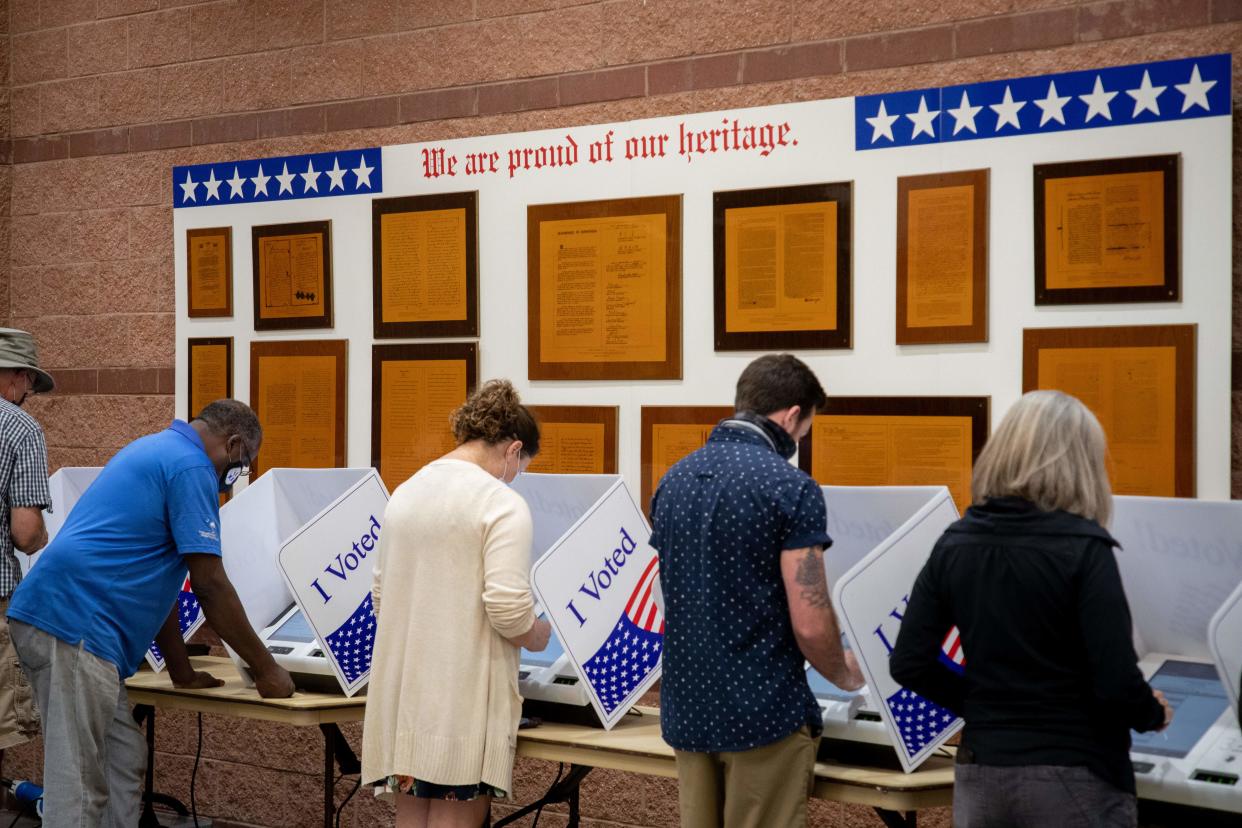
[(1195, 90), (881, 124), (1052, 105), (362, 172), (964, 115), (286, 180), (212, 186), (923, 119), (1007, 111), (235, 188), (310, 177), (260, 182), (188, 187), (1145, 96), (336, 175), (1097, 101)]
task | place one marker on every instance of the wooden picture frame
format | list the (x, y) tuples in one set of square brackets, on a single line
[(209, 272), (439, 390), (878, 414), (294, 427), (212, 388), (1125, 213), (1149, 454), (788, 327), (568, 338), (293, 281), (558, 423), (439, 296), (942, 258), (655, 417)]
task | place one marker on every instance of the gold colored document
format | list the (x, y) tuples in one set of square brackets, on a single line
[(940, 257), (416, 398), (423, 266)]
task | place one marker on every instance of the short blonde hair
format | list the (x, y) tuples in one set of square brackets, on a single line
[(1050, 450)]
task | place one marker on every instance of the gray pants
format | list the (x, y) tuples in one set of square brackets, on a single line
[(1036, 796), (94, 755)]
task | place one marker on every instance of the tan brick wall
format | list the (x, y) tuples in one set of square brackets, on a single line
[(102, 97)]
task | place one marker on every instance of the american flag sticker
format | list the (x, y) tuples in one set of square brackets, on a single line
[(352, 642), (189, 618), (632, 650)]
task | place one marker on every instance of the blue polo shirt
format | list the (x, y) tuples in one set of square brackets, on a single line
[(734, 678), (113, 572)]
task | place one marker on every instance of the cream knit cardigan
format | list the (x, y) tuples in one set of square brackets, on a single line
[(452, 582)]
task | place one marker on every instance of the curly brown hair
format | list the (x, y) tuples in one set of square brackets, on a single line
[(494, 413)]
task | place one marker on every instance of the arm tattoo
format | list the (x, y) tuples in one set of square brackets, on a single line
[(810, 576)]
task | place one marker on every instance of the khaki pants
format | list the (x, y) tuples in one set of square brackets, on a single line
[(19, 722), (765, 787)]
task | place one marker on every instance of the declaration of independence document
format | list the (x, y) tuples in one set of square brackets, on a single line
[(875, 450), (1131, 390), (209, 370), (208, 263), (602, 289), (781, 267), (291, 276), (940, 245), (423, 266), (297, 407), (569, 448), (1104, 231), (416, 398)]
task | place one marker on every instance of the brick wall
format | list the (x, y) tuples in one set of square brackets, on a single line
[(102, 97)]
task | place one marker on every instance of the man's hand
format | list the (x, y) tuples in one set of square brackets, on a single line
[(197, 680), (274, 683), (1168, 709)]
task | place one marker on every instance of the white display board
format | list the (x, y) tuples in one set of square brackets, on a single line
[(66, 485), (1225, 641)]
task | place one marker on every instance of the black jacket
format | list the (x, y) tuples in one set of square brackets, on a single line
[(1051, 677)]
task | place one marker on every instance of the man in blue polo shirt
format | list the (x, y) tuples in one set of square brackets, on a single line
[(741, 533), (108, 584)]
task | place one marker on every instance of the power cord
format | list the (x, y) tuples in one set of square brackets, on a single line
[(341, 807), (198, 753), (20, 813)]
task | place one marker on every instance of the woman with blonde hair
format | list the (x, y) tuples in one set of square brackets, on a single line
[(453, 602), (1051, 686)]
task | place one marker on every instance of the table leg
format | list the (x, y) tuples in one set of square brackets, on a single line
[(329, 784), (898, 819), (566, 790), (148, 819)]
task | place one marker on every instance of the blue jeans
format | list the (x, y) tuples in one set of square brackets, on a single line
[(1037, 796)]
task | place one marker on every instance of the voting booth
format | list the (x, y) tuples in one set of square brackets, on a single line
[(255, 525), (1180, 562), (66, 486)]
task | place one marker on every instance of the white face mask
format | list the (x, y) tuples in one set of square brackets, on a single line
[(516, 472)]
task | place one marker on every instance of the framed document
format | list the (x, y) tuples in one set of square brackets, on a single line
[(1140, 383), (782, 264), (414, 389), (209, 271), (576, 439), (897, 441), (604, 289), (292, 276), (1107, 231), (942, 258), (210, 372), (669, 433), (425, 265), (298, 391)]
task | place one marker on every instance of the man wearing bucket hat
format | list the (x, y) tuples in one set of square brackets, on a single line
[(23, 486)]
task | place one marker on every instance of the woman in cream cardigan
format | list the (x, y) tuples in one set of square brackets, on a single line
[(454, 606)]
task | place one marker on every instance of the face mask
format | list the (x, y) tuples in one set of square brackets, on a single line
[(516, 474), (230, 474)]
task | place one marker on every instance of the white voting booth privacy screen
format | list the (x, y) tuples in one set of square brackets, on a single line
[(66, 485), (1225, 641)]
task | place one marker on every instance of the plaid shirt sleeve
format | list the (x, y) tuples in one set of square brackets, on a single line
[(29, 486)]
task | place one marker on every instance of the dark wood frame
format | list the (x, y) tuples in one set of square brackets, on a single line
[(323, 320), (605, 415), (468, 351), (1180, 337), (977, 331), (468, 201), (670, 368), (205, 342), (653, 415), (978, 409), (1170, 290), (840, 192), (227, 310), (336, 348)]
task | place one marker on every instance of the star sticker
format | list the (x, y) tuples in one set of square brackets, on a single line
[(1007, 111), (1145, 96), (1194, 91), (336, 175), (310, 177), (1097, 101), (881, 124), (286, 180), (188, 187), (362, 172), (235, 191), (212, 186), (964, 115), (1052, 105), (260, 182), (923, 119)]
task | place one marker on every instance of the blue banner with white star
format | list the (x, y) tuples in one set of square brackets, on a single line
[(1142, 93), (318, 175)]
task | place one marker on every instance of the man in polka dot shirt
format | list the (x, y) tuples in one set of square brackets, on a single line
[(740, 533)]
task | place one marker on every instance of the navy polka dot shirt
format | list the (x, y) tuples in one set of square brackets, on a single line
[(733, 674)]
